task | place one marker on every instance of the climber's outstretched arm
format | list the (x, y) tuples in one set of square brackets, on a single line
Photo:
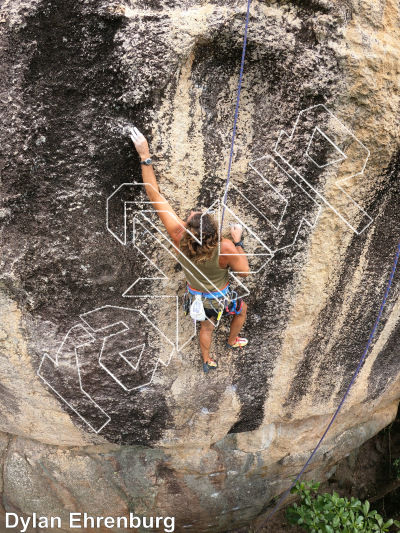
[(173, 224)]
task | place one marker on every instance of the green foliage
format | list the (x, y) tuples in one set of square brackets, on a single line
[(396, 467), (329, 513)]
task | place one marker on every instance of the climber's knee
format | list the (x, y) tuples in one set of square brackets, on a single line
[(206, 325)]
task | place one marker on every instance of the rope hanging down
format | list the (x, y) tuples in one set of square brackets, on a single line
[(347, 391), (236, 116)]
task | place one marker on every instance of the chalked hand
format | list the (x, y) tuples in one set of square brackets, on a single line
[(236, 232), (140, 142)]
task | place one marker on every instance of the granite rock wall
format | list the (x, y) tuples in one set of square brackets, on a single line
[(105, 408)]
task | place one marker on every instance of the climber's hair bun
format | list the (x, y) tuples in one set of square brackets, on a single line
[(199, 253)]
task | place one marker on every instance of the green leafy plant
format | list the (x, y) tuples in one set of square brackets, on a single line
[(329, 513), (396, 467)]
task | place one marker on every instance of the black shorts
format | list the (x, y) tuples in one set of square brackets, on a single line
[(234, 308)]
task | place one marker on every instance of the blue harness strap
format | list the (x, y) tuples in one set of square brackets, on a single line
[(210, 295)]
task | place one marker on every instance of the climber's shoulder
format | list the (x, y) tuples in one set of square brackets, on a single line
[(230, 257), (227, 247), (225, 252), (174, 225)]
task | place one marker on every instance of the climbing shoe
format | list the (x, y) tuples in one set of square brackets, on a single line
[(239, 343), (210, 365)]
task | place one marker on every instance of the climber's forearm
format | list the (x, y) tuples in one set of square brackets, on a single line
[(150, 180), (173, 224), (245, 269)]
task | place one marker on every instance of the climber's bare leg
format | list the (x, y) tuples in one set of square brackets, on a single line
[(205, 338), (236, 324)]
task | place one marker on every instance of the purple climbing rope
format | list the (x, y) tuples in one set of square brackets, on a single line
[(236, 115), (347, 391)]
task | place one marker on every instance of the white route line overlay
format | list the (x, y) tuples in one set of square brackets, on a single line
[(123, 240), (290, 137), (122, 331), (344, 156), (56, 362), (303, 219), (152, 210)]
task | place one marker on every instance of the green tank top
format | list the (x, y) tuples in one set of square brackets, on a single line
[(207, 276)]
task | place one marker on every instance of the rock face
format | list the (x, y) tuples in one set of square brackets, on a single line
[(105, 408)]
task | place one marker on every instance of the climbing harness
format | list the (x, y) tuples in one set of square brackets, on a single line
[(347, 391), (224, 300), (209, 295)]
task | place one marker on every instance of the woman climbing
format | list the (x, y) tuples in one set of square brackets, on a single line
[(204, 258)]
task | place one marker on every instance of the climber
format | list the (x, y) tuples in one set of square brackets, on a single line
[(204, 262)]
